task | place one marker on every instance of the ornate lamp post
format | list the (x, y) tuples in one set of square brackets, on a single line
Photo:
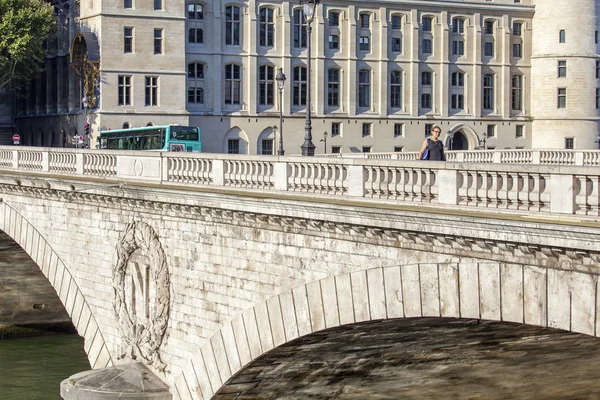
[(86, 130), (280, 78), (309, 7)]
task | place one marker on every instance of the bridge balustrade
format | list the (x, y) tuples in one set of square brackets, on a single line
[(548, 181), (508, 156)]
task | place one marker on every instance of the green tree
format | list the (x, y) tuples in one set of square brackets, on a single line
[(24, 26)]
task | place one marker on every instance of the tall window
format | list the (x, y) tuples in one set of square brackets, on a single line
[(562, 36), (426, 100), (488, 27), (457, 98), (128, 40), (158, 41), (195, 22), (196, 83), (491, 130), (517, 92), (562, 98), (158, 4), (233, 84), (569, 143), (488, 49), (488, 91), (519, 131), (334, 18), (458, 79), (333, 87), (127, 3), (396, 89), (517, 50), (299, 29), (426, 24), (267, 27), (299, 86), (266, 85), (398, 130), (562, 68), (151, 90), (336, 129), (457, 101), (124, 90), (397, 45), (366, 129), (232, 25), (364, 88)]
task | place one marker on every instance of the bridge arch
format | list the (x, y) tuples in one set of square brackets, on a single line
[(35, 245), (493, 291)]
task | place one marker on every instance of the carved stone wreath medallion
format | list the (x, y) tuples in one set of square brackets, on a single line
[(142, 300)]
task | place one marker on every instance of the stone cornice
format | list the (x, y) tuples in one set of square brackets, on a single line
[(555, 246)]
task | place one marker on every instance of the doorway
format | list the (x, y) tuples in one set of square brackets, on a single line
[(459, 141)]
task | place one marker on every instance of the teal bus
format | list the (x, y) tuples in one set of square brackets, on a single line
[(157, 138)]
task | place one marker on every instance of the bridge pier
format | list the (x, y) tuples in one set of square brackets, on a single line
[(128, 381)]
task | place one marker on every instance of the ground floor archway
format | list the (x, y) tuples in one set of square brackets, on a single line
[(459, 141)]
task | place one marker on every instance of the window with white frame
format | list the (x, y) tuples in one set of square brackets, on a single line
[(195, 83), (128, 39), (336, 129), (266, 85), (266, 27), (233, 84), (398, 130), (366, 129), (151, 95), (562, 68), (124, 83), (562, 98), (299, 86), (233, 23), (158, 41)]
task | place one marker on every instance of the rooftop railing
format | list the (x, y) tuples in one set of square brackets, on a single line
[(546, 182)]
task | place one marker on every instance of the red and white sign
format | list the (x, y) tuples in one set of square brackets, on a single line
[(16, 138)]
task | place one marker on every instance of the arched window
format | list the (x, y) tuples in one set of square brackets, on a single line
[(195, 22), (299, 86), (126, 125), (149, 124), (266, 85), (266, 27), (233, 84), (232, 25), (195, 83), (396, 89), (458, 26), (364, 88)]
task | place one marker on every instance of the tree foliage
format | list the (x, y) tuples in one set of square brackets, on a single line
[(24, 26)]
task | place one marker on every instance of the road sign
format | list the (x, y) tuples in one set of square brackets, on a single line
[(16, 138)]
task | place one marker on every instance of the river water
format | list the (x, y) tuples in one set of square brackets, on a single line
[(31, 368)]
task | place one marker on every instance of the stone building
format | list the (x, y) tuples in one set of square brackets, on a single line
[(500, 74)]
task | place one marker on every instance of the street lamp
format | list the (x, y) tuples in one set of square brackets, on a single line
[(309, 8), (280, 78), (85, 102), (482, 142), (324, 140)]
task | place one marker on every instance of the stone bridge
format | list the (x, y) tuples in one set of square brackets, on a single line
[(196, 264)]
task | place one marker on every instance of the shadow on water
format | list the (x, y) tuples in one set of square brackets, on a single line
[(31, 368)]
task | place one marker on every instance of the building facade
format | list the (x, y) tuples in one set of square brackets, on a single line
[(499, 74)]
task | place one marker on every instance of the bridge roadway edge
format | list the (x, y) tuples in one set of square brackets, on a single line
[(394, 226)]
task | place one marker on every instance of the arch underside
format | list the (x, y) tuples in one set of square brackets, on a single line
[(35, 245), (492, 291)]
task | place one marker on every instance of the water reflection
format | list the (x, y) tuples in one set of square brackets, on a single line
[(32, 368)]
